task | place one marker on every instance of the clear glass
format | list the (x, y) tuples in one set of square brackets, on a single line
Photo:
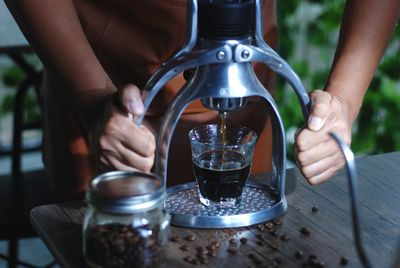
[(222, 157), (125, 240)]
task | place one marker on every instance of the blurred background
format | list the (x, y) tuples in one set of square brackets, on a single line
[(308, 33)]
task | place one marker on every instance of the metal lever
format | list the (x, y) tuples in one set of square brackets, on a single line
[(352, 175)]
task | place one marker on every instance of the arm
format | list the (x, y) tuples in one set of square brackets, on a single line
[(54, 30), (366, 29)]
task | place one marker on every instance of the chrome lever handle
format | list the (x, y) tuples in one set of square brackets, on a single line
[(352, 176)]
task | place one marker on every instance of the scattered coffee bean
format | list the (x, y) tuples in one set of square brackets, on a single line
[(188, 259), (203, 259), (119, 245), (201, 250), (285, 237), (184, 248), (313, 262), (261, 228), (344, 260), (273, 246), (216, 244), (174, 238), (212, 247), (190, 238), (299, 254), (232, 251), (278, 221), (243, 240), (233, 241), (305, 231), (314, 209), (212, 253), (274, 233), (312, 256), (251, 255), (260, 236), (269, 225)]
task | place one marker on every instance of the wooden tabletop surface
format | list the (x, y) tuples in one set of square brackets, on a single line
[(330, 235)]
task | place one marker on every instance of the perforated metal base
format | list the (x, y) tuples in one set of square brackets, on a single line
[(258, 204)]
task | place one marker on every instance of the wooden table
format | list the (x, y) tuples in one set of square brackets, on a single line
[(330, 238)]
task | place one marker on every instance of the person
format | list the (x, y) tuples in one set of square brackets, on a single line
[(98, 55)]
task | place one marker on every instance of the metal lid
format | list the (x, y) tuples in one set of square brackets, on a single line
[(125, 192)]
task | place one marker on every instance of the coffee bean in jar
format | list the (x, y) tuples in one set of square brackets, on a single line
[(126, 224)]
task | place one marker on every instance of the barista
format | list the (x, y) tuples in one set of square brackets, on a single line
[(99, 54)]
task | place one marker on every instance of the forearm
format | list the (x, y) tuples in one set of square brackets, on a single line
[(53, 29), (366, 29)]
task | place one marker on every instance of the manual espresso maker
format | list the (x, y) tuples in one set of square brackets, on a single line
[(224, 38)]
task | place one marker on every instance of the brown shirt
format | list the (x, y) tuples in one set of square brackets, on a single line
[(132, 38)]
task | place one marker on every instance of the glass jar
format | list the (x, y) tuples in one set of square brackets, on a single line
[(126, 224)]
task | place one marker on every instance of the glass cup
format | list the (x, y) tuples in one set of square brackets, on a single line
[(222, 158)]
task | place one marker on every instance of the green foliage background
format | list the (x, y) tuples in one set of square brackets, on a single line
[(314, 26)]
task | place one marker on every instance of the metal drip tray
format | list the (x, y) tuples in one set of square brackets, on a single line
[(258, 204)]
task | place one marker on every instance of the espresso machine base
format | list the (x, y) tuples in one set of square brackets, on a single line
[(258, 204)]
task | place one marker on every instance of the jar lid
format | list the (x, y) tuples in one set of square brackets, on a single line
[(125, 192)]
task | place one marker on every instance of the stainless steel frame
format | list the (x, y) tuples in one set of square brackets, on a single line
[(223, 70)]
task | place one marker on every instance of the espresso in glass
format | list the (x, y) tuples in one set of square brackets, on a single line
[(221, 166)]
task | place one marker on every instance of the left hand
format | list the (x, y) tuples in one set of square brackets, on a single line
[(317, 154)]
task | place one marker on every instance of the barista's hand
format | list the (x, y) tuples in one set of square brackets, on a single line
[(122, 144), (318, 156)]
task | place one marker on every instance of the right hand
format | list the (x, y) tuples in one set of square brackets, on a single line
[(122, 145)]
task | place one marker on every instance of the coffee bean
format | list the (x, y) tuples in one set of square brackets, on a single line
[(201, 250), (251, 255), (119, 245), (299, 254), (233, 241), (243, 240), (313, 262), (232, 251), (190, 238), (261, 228), (188, 259), (305, 231), (260, 236), (285, 237), (211, 247), (174, 238), (314, 209), (184, 248), (216, 243), (278, 221), (312, 256), (273, 246), (269, 225), (203, 259), (212, 253), (274, 233), (344, 260)]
